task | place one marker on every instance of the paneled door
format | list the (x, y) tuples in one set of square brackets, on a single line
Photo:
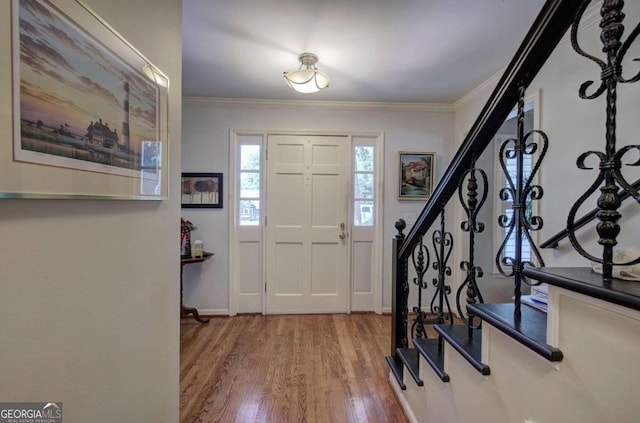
[(307, 248)]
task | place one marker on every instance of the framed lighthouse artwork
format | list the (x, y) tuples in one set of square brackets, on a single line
[(89, 110)]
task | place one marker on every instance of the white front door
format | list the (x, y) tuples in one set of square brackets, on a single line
[(307, 248)]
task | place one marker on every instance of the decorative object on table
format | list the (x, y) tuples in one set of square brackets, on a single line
[(185, 236), (90, 111), (626, 271), (201, 190), (416, 175), (198, 249)]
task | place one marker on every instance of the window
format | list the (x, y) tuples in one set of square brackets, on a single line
[(363, 179), (506, 206), (249, 198)]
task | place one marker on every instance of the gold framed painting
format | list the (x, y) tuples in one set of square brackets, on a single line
[(416, 175), (90, 111)]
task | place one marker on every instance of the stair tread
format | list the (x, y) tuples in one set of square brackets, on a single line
[(531, 331), (396, 369), (433, 354), (585, 281), (469, 348), (409, 357)]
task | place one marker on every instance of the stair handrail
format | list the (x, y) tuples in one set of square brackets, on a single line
[(552, 23), (554, 240)]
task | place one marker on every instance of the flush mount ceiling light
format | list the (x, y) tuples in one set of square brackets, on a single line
[(307, 79)]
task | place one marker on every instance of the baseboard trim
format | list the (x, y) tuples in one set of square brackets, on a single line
[(213, 311), (406, 407)]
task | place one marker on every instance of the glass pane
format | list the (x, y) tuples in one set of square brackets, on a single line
[(363, 213), (363, 185), (512, 167), (250, 184), (249, 212), (249, 157), (364, 158), (151, 154)]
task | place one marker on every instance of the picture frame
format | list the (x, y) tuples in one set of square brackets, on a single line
[(90, 112), (201, 190), (416, 175)]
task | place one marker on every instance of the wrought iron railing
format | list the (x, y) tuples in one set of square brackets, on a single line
[(472, 203), (522, 192), (549, 27), (610, 179), (556, 17)]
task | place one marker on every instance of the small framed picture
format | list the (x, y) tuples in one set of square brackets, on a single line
[(201, 190), (416, 175)]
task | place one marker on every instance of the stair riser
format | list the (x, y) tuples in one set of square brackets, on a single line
[(596, 381)]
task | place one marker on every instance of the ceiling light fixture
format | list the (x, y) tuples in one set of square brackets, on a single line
[(307, 78)]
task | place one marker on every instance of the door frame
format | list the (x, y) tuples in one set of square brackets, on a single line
[(243, 299)]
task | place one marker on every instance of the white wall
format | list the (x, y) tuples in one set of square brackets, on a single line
[(469, 106), (206, 149), (89, 300)]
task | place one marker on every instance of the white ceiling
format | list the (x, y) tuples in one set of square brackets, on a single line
[(408, 51)]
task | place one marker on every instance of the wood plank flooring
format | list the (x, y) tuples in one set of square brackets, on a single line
[(291, 368)]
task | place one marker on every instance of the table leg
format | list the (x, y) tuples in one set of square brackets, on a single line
[(186, 311)]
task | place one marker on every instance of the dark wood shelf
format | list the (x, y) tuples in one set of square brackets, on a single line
[(433, 354), (469, 348), (530, 331), (189, 259), (409, 357), (186, 311), (585, 281), (396, 369)]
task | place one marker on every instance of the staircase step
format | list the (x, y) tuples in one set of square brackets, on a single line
[(433, 352), (409, 357), (531, 331), (469, 348), (396, 369), (585, 281)]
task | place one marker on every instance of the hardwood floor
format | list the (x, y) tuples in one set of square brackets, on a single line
[(292, 368)]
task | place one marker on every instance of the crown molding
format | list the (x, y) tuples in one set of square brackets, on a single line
[(486, 86), (590, 17), (318, 105)]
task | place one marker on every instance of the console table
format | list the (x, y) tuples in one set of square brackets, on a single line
[(185, 311)]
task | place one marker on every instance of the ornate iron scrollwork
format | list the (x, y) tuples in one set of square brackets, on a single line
[(442, 247), (471, 205), (611, 159), (403, 291), (521, 191), (420, 258)]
